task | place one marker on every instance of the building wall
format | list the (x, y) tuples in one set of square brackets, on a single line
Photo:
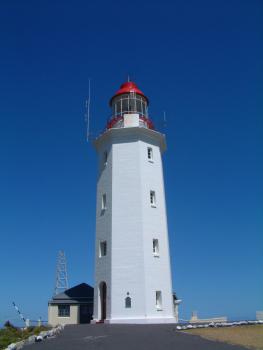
[(127, 231), (208, 320), (54, 319), (129, 225), (157, 270), (103, 228)]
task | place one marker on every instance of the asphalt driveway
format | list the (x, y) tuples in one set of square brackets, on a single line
[(127, 337)]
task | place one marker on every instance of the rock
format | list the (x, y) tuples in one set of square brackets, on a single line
[(30, 339), (20, 344), (178, 327), (50, 333), (189, 326), (38, 338), (43, 334), (12, 346)]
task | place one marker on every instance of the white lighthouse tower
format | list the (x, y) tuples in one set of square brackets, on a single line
[(132, 264)]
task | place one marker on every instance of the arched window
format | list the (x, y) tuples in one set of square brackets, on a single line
[(128, 302)]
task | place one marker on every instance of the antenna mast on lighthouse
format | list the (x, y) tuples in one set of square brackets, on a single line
[(164, 119), (87, 115)]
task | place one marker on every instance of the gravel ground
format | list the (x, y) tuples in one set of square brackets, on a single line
[(250, 336)]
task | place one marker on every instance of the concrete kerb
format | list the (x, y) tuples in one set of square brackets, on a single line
[(33, 338), (218, 324)]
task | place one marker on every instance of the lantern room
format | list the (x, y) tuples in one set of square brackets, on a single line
[(129, 100)]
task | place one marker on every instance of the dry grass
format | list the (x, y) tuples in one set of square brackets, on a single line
[(248, 336)]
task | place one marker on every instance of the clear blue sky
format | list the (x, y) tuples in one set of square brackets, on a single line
[(201, 62)]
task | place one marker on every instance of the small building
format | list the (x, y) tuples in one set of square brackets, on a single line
[(73, 306), (195, 319)]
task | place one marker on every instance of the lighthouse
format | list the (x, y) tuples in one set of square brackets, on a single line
[(132, 260)]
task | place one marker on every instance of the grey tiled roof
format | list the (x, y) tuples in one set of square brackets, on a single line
[(82, 293)]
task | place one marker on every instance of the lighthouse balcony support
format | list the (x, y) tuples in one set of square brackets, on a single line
[(118, 121)]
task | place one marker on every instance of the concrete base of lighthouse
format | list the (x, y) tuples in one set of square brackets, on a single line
[(141, 321), (156, 320)]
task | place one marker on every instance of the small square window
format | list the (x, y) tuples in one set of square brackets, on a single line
[(150, 153), (158, 302), (155, 247), (63, 310), (152, 199), (104, 202), (102, 248)]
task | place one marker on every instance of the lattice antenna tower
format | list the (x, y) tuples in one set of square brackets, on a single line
[(61, 273)]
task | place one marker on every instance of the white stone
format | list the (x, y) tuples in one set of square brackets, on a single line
[(39, 338), (20, 344), (12, 346), (31, 339)]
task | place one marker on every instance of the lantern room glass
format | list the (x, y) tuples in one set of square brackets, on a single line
[(129, 103)]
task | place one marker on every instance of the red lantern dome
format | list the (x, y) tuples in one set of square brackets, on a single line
[(127, 88)]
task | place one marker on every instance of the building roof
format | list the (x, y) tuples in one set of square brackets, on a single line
[(82, 293)]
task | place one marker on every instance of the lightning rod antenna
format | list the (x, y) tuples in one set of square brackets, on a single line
[(164, 119), (87, 114)]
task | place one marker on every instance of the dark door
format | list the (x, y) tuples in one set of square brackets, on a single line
[(103, 300), (85, 313)]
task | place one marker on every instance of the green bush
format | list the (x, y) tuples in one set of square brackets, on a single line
[(11, 334)]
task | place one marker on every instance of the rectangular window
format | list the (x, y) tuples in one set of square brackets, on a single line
[(152, 199), (150, 153), (105, 158), (103, 248), (128, 302), (103, 202), (155, 247), (158, 302), (63, 310)]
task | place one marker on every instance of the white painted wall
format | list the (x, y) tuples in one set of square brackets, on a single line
[(129, 225)]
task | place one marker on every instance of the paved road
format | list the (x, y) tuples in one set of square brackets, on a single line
[(127, 337)]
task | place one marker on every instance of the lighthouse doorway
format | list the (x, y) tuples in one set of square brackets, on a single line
[(103, 298)]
